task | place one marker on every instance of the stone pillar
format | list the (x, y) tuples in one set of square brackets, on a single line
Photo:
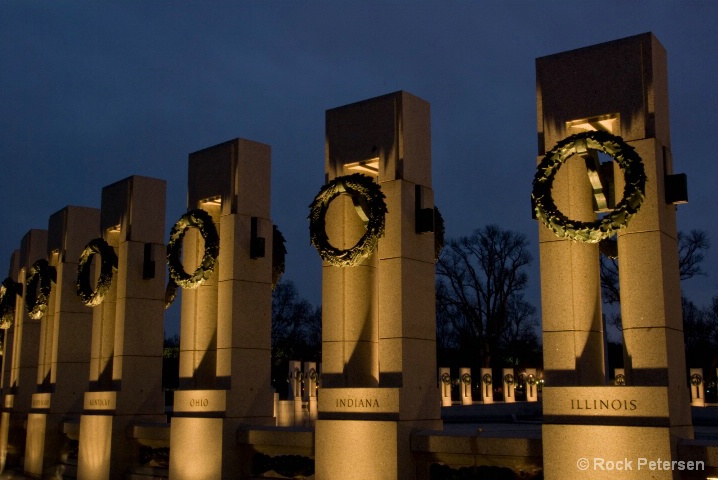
[(465, 382), (698, 394), (64, 354), (225, 335), (24, 354), (509, 381), (7, 395), (619, 87), (294, 375), (531, 385), (311, 378), (378, 325), (127, 330), (445, 385), (487, 386)]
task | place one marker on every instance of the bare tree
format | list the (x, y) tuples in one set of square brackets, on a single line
[(691, 252), (296, 324), (480, 280)]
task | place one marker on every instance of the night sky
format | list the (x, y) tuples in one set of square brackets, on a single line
[(93, 92)]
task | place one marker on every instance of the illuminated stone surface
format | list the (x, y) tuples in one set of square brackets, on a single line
[(378, 325), (583, 418), (127, 330), (22, 361), (698, 394), (225, 326), (509, 388), (64, 352), (487, 389), (445, 387)]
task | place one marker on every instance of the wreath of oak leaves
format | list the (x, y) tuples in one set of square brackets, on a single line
[(509, 379), (531, 380), (39, 285), (365, 193), (9, 290), (445, 378), (203, 222), (696, 379), (633, 193), (620, 379), (486, 378), (466, 378), (108, 265)]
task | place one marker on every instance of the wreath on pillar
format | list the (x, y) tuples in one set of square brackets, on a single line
[(696, 379), (9, 290), (313, 376), (466, 378), (620, 379), (633, 193), (509, 379), (445, 378), (368, 199), (531, 380), (39, 285), (108, 265), (486, 378), (203, 222)]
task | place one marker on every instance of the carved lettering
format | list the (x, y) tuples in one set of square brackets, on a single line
[(100, 402), (357, 403), (604, 404), (199, 402)]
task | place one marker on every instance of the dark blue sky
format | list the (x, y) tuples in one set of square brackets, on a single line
[(92, 92)]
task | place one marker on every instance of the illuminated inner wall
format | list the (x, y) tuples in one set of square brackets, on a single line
[(378, 317), (619, 87)]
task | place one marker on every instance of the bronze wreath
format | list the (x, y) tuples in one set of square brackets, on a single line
[(486, 378), (279, 253), (696, 379), (445, 378), (203, 222), (531, 380), (313, 375), (9, 290), (466, 378), (108, 264), (39, 286), (509, 379), (367, 197), (633, 193), (620, 379)]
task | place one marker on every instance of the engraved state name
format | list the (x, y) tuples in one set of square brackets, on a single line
[(357, 403), (604, 404), (100, 402)]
